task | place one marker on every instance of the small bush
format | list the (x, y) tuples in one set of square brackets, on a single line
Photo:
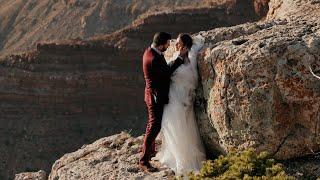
[(241, 165)]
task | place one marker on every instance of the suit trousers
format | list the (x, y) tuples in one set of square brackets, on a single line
[(155, 111)]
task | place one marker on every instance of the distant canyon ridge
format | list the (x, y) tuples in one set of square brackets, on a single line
[(26, 22)]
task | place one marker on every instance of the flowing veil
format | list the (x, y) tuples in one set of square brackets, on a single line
[(182, 149)]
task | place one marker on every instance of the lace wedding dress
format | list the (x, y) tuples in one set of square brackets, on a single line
[(182, 149)]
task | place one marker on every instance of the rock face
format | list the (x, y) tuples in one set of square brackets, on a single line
[(113, 157), (261, 7), (65, 94), (56, 99), (256, 88)]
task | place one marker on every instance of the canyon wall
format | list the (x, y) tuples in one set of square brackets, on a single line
[(68, 93), (258, 87)]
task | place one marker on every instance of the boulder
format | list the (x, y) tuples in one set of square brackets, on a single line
[(256, 83)]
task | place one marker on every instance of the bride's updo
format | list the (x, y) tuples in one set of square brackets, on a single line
[(186, 40)]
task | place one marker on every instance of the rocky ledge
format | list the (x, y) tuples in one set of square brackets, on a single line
[(113, 157), (116, 157)]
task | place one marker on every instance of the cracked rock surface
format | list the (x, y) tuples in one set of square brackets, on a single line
[(256, 88)]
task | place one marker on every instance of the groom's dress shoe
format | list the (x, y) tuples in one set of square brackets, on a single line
[(147, 168)]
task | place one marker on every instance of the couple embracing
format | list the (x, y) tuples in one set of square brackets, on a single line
[(169, 96)]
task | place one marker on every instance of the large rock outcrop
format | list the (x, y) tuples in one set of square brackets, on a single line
[(68, 93), (256, 87)]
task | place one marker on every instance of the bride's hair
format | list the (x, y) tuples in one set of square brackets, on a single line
[(186, 40)]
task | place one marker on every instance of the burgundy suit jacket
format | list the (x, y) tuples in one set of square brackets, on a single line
[(157, 74)]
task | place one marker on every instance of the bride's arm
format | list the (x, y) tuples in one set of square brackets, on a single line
[(175, 64)]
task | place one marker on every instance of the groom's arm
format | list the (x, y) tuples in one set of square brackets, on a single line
[(175, 64), (148, 61)]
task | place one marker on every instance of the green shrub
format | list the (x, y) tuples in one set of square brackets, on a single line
[(246, 165)]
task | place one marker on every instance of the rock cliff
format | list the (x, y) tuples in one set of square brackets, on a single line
[(257, 89), (67, 93)]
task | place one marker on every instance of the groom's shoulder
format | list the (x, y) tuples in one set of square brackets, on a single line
[(148, 53), (149, 50)]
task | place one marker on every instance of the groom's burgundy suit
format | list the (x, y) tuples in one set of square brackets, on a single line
[(157, 75)]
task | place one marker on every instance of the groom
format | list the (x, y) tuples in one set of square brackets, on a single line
[(157, 75)]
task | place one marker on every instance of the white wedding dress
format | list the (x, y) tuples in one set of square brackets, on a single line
[(182, 149)]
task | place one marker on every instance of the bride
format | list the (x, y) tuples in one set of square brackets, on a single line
[(181, 149)]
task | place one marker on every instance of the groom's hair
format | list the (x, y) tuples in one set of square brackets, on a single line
[(161, 38), (186, 40)]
